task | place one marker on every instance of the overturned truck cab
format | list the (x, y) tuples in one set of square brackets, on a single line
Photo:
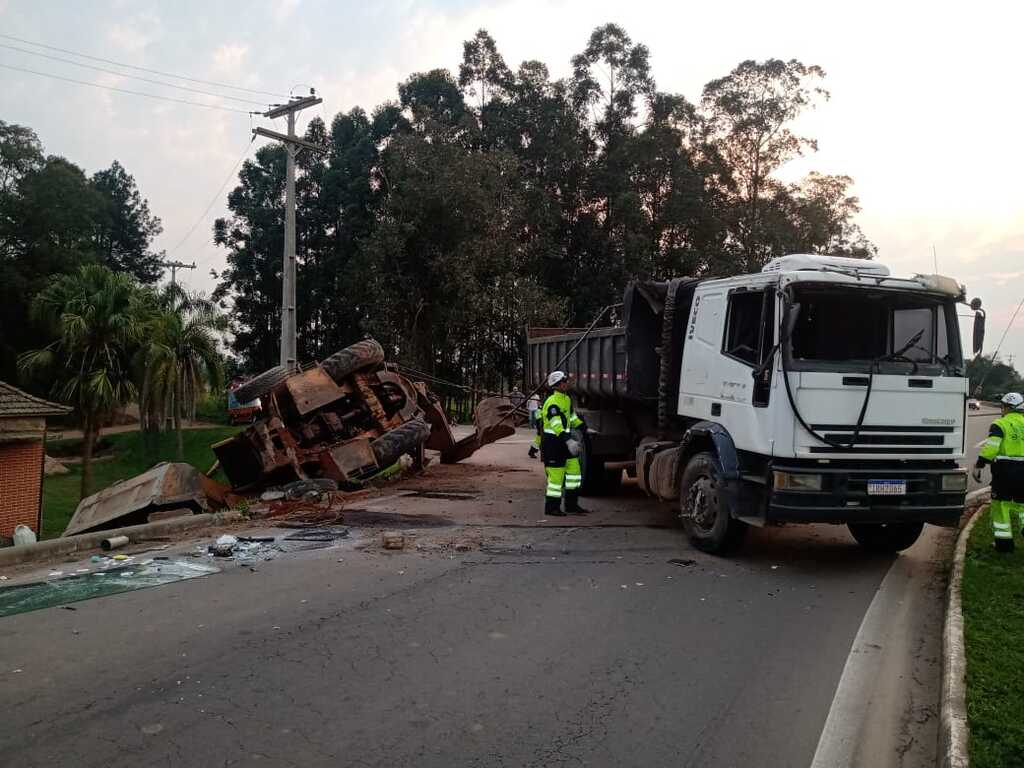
[(346, 418), (821, 389)]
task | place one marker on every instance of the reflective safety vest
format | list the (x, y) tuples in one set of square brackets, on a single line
[(558, 414), (1005, 439)]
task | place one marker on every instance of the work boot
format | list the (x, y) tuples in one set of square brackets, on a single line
[(532, 452), (1004, 545), (553, 507), (572, 504)]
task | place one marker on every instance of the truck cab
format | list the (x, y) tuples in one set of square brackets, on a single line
[(820, 390)]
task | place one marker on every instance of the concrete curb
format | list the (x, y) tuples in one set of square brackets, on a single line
[(70, 544), (953, 731)]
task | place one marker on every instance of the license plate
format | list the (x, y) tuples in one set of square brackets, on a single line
[(887, 487)]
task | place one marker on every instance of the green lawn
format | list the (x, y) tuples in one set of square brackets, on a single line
[(60, 492), (993, 601)]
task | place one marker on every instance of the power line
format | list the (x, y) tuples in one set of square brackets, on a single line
[(141, 69), (125, 90), (215, 198), (133, 77)]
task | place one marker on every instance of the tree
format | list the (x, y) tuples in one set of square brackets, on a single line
[(95, 319), (125, 228), (995, 377), (750, 110), (483, 69), (181, 355)]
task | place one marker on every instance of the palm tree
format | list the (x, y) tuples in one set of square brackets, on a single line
[(181, 355), (94, 314)]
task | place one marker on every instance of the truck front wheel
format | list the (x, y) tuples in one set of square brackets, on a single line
[(704, 514), (885, 537)]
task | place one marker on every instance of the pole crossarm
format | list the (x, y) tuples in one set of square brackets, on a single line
[(285, 138), (293, 105)]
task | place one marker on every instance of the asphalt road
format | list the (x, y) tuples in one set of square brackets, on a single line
[(551, 647)]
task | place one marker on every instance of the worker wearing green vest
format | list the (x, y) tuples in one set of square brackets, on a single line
[(1004, 452), (560, 450)]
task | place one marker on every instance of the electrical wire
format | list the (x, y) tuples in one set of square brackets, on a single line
[(215, 198), (141, 69), (125, 90), (133, 77)]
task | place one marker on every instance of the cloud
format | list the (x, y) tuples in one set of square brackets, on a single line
[(283, 9), (136, 34), (228, 58)]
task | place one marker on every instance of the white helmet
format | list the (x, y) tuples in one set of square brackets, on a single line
[(556, 376), (1013, 399)]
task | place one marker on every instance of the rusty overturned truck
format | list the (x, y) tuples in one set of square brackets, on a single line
[(346, 418)]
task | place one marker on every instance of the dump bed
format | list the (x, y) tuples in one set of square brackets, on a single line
[(598, 365), (621, 364)]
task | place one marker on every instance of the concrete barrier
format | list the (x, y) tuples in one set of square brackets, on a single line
[(67, 545)]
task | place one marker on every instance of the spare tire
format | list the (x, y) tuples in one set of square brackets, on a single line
[(259, 385), (404, 438), (355, 357)]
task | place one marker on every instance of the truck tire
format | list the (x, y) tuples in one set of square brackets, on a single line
[(597, 479), (262, 383), (352, 358), (887, 538), (402, 439), (705, 517)]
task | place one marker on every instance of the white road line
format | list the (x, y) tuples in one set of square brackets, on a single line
[(840, 738)]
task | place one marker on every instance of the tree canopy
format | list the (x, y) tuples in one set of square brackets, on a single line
[(491, 199)]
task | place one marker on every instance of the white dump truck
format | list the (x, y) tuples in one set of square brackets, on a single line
[(820, 390)]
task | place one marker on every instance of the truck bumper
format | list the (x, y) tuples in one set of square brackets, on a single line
[(844, 497)]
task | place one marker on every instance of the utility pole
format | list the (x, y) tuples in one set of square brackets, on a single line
[(174, 266), (292, 143)]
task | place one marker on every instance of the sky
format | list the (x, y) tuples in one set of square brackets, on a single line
[(925, 111)]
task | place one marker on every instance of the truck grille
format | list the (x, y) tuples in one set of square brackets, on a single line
[(882, 439)]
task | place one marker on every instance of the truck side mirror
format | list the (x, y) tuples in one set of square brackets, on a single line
[(979, 327)]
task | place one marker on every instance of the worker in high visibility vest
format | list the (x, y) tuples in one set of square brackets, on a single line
[(1003, 451), (560, 450)]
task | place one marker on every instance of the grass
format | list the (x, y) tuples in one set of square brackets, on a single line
[(61, 492), (993, 601)]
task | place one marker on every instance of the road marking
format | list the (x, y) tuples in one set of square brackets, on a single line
[(841, 736)]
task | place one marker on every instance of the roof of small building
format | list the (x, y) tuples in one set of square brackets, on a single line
[(15, 403)]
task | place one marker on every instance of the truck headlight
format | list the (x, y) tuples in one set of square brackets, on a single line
[(796, 481), (957, 482)]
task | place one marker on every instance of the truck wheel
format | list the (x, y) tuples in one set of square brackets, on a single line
[(402, 439), (597, 479), (885, 537), (259, 385), (705, 517), (352, 358)]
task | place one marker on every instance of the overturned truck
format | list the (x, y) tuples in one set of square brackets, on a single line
[(347, 418)]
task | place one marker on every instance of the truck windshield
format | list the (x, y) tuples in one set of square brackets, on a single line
[(858, 326)]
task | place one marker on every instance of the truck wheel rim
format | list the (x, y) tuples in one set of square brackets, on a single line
[(702, 497)]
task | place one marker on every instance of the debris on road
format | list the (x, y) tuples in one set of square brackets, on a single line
[(225, 545), (392, 540), (169, 485), (21, 598), (114, 542)]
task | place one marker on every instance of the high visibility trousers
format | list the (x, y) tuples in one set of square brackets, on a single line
[(999, 510), (568, 476)]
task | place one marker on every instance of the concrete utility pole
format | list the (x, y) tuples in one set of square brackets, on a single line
[(174, 266), (292, 143)]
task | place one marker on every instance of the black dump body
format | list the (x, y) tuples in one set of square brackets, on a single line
[(623, 366)]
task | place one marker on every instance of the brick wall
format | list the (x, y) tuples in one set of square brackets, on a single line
[(20, 472)]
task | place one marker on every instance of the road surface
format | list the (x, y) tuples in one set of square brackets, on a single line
[(574, 646)]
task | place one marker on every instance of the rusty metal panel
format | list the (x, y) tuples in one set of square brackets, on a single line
[(349, 461), (312, 389), (493, 421), (165, 484)]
